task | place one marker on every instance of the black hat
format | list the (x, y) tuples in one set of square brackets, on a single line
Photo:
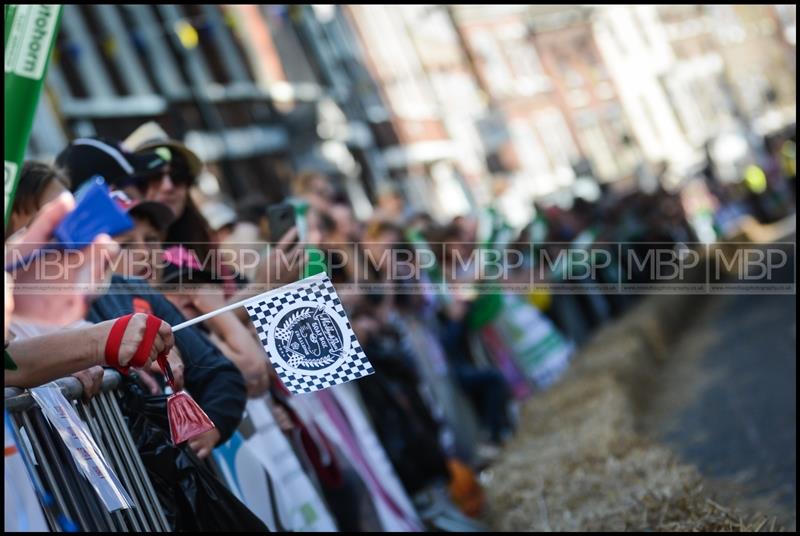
[(85, 157), (159, 214)]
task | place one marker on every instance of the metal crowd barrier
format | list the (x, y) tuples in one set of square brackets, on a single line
[(58, 474)]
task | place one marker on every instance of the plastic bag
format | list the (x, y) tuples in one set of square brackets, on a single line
[(190, 494)]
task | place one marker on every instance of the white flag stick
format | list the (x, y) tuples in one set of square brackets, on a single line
[(232, 306)]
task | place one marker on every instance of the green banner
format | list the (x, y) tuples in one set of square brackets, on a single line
[(30, 31)]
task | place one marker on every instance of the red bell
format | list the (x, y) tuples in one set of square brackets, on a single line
[(186, 418)]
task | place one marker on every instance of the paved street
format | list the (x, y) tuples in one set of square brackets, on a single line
[(727, 402)]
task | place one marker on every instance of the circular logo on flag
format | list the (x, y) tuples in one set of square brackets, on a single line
[(309, 337)]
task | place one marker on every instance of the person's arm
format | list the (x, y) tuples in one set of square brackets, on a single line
[(241, 347), (234, 340), (43, 359), (48, 357)]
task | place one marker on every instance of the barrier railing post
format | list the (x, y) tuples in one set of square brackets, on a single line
[(87, 416), (131, 481), (149, 497), (47, 476), (133, 513), (55, 470), (46, 451)]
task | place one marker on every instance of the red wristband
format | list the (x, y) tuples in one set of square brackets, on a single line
[(114, 340), (143, 351)]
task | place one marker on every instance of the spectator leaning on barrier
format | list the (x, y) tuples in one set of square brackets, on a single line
[(209, 376), (171, 185), (484, 386)]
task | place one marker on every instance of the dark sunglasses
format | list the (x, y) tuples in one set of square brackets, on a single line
[(178, 172)]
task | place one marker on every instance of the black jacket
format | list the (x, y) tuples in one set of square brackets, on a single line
[(402, 421), (210, 377)]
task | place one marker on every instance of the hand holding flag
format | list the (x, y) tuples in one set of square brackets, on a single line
[(306, 334)]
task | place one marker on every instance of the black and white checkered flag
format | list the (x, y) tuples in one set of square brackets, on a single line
[(307, 336)]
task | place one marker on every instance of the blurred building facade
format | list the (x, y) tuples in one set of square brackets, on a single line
[(637, 51), (695, 83), (414, 56), (533, 143), (247, 87), (454, 106), (760, 61), (584, 89)]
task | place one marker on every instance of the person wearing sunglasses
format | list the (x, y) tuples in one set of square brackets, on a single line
[(170, 185)]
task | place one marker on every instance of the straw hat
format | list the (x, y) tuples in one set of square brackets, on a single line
[(151, 136)]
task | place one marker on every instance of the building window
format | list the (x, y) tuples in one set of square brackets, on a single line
[(596, 144), (647, 111), (525, 64), (82, 57), (557, 138), (495, 68), (153, 46), (396, 62), (531, 154), (67, 54)]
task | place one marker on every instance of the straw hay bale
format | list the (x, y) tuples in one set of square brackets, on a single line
[(577, 462)]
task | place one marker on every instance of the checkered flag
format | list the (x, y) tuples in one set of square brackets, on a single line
[(307, 336)]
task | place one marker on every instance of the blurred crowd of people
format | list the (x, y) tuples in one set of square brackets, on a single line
[(447, 376)]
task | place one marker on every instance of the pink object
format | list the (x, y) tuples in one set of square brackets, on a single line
[(180, 256), (339, 419)]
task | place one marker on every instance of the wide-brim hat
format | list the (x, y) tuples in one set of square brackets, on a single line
[(150, 136)]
